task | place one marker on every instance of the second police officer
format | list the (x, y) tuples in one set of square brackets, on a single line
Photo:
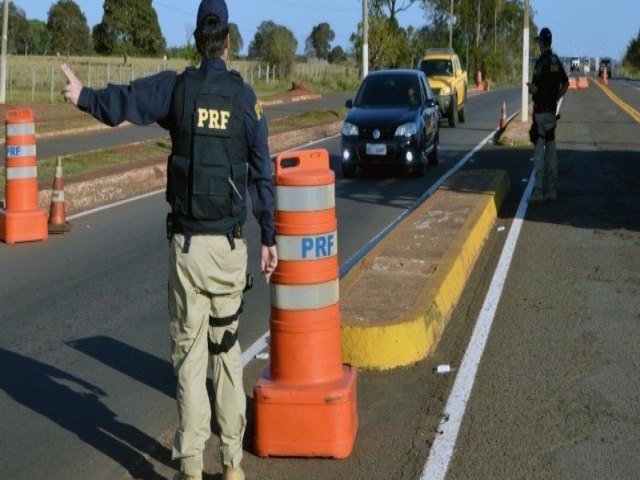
[(548, 85), (219, 146)]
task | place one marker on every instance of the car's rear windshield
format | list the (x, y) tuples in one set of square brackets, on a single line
[(433, 68), (377, 91)]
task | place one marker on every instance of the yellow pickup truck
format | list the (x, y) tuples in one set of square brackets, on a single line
[(448, 83)]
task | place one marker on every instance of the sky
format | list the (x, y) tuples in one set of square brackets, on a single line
[(584, 28)]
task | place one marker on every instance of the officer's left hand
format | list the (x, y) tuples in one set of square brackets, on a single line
[(268, 261), (72, 89)]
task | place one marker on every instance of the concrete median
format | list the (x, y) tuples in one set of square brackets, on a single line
[(396, 302)]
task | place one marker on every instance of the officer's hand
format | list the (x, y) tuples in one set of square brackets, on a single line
[(268, 261), (72, 89), (533, 89)]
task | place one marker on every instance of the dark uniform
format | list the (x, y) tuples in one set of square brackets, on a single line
[(551, 81), (219, 147)]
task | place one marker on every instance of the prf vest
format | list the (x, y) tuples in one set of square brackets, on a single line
[(207, 168), (548, 77)]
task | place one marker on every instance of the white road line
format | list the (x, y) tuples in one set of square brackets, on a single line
[(444, 443), (632, 86), (113, 205)]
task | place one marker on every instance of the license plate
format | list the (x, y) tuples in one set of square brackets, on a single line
[(376, 149)]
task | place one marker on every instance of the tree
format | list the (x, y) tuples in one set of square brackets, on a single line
[(67, 28), (235, 41), (19, 34), (337, 55), (281, 49), (129, 27), (632, 56), (388, 44), (275, 44), (389, 8), (482, 27), (257, 47), (318, 43), (39, 41)]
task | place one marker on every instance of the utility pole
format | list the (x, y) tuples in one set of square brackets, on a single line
[(3, 66), (495, 28), (451, 27), (365, 39), (525, 64)]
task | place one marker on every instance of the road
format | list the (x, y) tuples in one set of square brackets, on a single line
[(87, 389)]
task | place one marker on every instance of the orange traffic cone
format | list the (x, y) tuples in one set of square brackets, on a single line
[(605, 78), (57, 216), (503, 116)]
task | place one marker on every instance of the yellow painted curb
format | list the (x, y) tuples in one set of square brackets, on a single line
[(406, 340)]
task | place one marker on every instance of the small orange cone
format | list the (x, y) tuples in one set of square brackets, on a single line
[(503, 116), (605, 78), (57, 216)]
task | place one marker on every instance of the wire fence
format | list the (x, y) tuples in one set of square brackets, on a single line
[(40, 80)]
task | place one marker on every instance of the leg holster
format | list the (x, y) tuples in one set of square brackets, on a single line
[(229, 338)]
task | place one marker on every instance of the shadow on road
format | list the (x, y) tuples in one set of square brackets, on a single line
[(75, 405), (132, 362)]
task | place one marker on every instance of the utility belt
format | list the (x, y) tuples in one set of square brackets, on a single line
[(544, 108), (234, 234)]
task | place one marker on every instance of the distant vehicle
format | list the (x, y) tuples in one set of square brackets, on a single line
[(392, 123), (605, 62), (448, 82), (575, 64), (586, 65)]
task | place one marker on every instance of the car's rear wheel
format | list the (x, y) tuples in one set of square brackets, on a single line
[(453, 112), (462, 113)]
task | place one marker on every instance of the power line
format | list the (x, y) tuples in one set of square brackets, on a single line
[(173, 9), (321, 8)]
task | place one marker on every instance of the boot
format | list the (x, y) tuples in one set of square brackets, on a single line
[(536, 197), (230, 473)]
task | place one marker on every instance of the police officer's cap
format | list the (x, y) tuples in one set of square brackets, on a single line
[(212, 15), (544, 36)]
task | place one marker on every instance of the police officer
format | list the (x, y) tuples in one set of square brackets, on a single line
[(548, 85), (219, 145)]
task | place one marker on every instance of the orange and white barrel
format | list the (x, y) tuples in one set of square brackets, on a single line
[(305, 403), (305, 314), (21, 220)]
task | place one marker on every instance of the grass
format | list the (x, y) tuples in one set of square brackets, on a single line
[(39, 79), (305, 120), (89, 162)]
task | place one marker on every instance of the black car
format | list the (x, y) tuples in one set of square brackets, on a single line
[(392, 123)]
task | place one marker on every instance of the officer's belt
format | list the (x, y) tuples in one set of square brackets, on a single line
[(544, 108)]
